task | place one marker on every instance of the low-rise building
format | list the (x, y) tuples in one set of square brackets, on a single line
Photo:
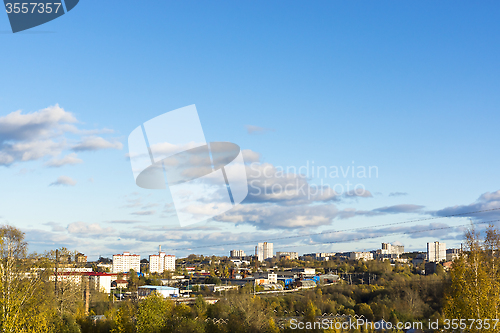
[(238, 262), (102, 281), (361, 256), (80, 258), (430, 267), (320, 255), (419, 259), (119, 284), (145, 291), (105, 267), (265, 278), (287, 255), (329, 278), (304, 271), (447, 265), (452, 254)]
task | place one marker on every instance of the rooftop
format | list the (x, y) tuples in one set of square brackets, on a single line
[(159, 287)]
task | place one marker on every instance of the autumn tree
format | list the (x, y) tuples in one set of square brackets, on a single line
[(474, 288), (152, 314), (23, 300)]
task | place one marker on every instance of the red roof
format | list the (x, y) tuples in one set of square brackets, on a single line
[(100, 274)]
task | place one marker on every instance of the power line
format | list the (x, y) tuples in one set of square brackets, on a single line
[(395, 233), (335, 231)]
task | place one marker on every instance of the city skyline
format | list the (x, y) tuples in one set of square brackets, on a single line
[(349, 117)]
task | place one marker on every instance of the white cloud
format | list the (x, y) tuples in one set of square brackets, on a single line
[(269, 183), (41, 124), (96, 143), (267, 216), (250, 156), (144, 212), (70, 159), (489, 202), (82, 228), (39, 135), (56, 227), (28, 151), (64, 180), (125, 221)]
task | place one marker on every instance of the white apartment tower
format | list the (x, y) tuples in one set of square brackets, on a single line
[(264, 251), (123, 263), (436, 251), (158, 263)]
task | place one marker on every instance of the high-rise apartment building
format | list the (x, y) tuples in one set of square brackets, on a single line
[(123, 263), (236, 253), (158, 263), (264, 251), (388, 248), (436, 252)]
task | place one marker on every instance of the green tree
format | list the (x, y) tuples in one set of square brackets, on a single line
[(152, 314), (122, 319), (473, 289), (23, 300), (364, 310)]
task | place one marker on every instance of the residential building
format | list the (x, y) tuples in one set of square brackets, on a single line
[(123, 263), (452, 254), (165, 291), (105, 267), (304, 271), (436, 252), (430, 268), (81, 258), (447, 265), (390, 251), (320, 255), (78, 276), (288, 255), (419, 259), (360, 255), (158, 263), (265, 278), (102, 281), (329, 278), (119, 284), (238, 262), (236, 253), (264, 251)]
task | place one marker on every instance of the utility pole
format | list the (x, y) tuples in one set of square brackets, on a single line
[(56, 266), (87, 294)]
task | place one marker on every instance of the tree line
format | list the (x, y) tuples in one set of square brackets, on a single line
[(31, 302)]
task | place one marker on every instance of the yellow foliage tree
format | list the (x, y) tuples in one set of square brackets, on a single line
[(474, 281)]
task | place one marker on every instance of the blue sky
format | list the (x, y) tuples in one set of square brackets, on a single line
[(410, 87)]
